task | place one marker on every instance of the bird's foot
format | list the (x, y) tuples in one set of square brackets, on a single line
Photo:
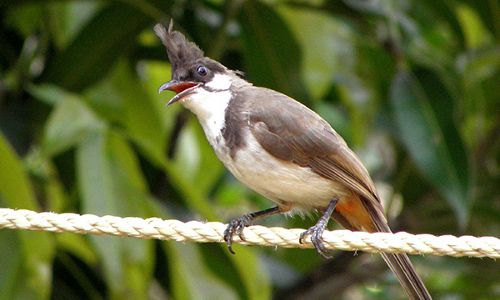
[(236, 227), (316, 233)]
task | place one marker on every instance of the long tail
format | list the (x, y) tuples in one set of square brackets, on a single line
[(403, 269), (401, 265), (366, 216)]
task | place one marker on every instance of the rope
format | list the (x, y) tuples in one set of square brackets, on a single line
[(212, 232)]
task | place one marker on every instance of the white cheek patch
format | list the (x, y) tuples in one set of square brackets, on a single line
[(220, 82)]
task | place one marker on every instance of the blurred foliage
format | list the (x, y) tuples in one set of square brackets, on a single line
[(412, 86)]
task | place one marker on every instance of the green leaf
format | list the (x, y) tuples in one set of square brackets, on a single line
[(272, 54), (120, 98), (445, 17), (423, 111), (12, 266), (329, 49), (191, 277), (253, 273), (485, 12), (70, 122), (33, 251), (79, 246), (196, 158), (67, 18), (15, 187), (41, 166), (108, 35), (111, 183), (475, 33), (153, 75)]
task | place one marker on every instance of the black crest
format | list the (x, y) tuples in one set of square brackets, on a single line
[(180, 51)]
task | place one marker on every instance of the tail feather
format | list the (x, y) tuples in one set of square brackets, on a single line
[(400, 264), (371, 219), (401, 267)]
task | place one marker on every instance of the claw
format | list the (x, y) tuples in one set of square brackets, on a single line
[(316, 233), (236, 227)]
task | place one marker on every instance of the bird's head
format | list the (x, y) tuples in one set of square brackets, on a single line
[(192, 72)]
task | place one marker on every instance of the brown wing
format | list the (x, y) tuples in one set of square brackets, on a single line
[(292, 132)]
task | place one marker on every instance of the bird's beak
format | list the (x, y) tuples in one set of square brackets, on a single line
[(182, 88)]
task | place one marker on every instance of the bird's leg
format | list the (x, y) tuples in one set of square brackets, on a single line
[(317, 230), (236, 226)]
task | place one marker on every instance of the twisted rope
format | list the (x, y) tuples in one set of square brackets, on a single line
[(212, 232)]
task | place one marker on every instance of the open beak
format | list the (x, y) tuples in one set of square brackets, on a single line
[(182, 88)]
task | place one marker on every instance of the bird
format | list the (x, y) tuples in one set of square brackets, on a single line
[(280, 149)]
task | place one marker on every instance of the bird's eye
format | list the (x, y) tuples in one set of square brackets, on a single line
[(202, 71)]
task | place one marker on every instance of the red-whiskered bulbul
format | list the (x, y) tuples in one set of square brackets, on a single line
[(281, 149)]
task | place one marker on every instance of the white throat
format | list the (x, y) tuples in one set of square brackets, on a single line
[(210, 105)]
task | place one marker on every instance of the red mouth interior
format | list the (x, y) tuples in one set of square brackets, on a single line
[(181, 87)]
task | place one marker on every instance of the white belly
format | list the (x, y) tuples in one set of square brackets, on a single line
[(278, 180)]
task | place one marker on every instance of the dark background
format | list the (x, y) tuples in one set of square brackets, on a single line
[(413, 87)]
